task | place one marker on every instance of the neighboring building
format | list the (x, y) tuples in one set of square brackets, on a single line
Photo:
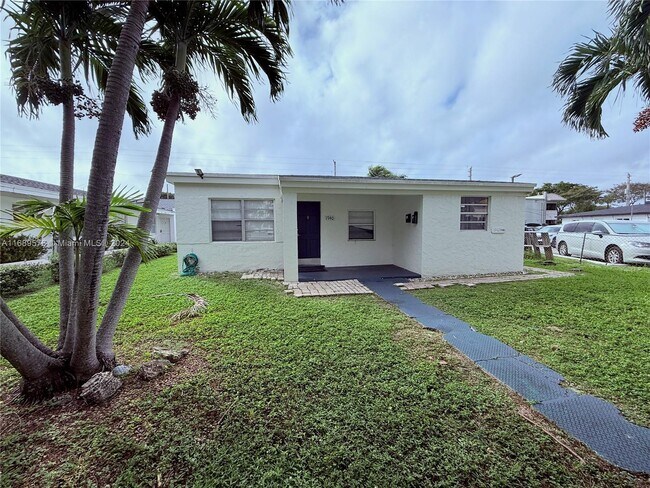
[(630, 212), (542, 209), (165, 225), (429, 227), (14, 189)]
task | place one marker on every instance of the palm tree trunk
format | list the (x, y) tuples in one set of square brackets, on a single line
[(41, 373), (66, 192), (84, 362), (4, 308), (146, 221)]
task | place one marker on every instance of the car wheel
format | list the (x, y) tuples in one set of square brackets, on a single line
[(614, 255), (554, 242), (563, 249)]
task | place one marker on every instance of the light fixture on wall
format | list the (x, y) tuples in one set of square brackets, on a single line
[(199, 172)]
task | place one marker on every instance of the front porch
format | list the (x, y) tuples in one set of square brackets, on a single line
[(361, 273), (345, 234)]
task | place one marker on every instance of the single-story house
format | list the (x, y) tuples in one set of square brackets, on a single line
[(639, 212), (542, 209), (14, 189), (429, 227), (164, 229)]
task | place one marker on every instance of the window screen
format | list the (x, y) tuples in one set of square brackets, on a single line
[(242, 220), (473, 213), (361, 225)]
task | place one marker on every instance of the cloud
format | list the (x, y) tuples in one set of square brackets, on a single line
[(427, 88)]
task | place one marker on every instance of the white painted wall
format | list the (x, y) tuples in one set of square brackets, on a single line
[(447, 250), (6, 204), (194, 229), (434, 247), (407, 238), (336, 249)]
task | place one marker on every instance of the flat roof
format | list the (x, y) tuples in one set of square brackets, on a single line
[(643, 208), (289, 180)]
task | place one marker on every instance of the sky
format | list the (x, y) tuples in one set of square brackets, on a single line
[(426, 88)]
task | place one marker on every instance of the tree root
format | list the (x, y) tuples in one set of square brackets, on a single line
[(199, 306), (57, 380)]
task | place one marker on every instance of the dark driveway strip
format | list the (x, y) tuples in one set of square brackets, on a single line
[(591, 420)]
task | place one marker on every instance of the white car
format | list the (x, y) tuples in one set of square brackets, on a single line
[(615, 241), (552, 231)]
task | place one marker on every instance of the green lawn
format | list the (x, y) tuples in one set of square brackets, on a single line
[(593, 328), (282, 391)]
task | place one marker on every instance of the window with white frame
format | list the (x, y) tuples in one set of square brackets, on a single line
[(473, 213), (242, 220), (361, 225)]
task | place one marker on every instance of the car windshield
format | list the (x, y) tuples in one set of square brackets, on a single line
[(630, 227)]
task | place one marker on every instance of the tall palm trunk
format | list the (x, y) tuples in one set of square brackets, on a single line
[(84, 361), (66, 192), (146, 222)]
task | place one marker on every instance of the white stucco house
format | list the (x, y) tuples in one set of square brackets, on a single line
[(14, 189), (164, 229), (429, 227)]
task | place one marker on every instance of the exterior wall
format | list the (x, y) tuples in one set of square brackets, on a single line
[(6, 203), (194, 229), (407, 238), (336, 248), (447, 250), (155, 233)]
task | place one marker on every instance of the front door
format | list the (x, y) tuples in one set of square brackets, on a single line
[(308, 230)]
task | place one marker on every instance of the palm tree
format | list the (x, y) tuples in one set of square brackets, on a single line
[(54, 40), (42, 371), (238, 46), (67, 218), (594, 69)]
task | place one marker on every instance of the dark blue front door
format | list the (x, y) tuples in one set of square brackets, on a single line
[(308, 230)]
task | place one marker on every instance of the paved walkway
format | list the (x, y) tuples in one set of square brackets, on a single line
[(593, 421), (328, 288)]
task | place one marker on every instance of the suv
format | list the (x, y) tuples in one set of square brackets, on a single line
[(615, 241)]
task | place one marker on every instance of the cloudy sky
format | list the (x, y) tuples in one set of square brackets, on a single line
[(426, 88)]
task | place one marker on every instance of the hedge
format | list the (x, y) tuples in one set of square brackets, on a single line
[(19, 279)]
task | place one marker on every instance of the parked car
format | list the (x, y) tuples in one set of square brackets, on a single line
[(615, 241), (551, 230)]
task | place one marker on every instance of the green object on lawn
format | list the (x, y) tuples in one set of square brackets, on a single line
[(190, 263)]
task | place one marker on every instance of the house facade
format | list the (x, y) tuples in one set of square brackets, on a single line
[(429, 227), (14, 189)]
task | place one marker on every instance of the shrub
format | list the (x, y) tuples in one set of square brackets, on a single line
[(15, 278), (21, 248)]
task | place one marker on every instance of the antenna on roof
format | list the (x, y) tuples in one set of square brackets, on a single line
[(334, 166), (512, 178), (469, 173)]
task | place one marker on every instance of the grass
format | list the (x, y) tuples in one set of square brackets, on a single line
[(592, 328), (281, 391)]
